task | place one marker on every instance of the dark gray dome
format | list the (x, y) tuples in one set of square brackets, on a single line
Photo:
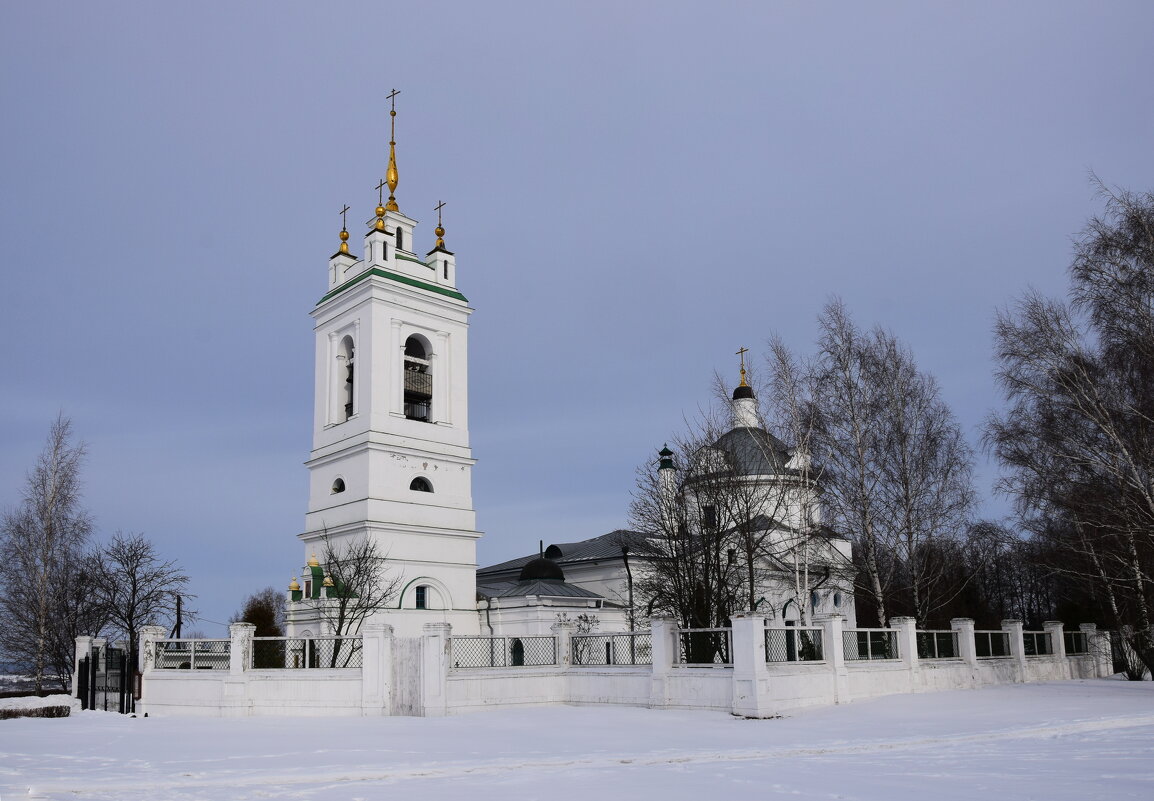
[(753, 452), (541, 569)]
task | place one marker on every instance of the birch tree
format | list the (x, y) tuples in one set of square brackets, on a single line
[(44, 540)]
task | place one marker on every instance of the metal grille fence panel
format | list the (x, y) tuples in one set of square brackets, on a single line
[(191, 654), (630, 648), (938, 645), (1037, 643), (862, 644), (705, 646), (991, 644), (1076, 642), (793, 645), (299, 653), (485, 652)]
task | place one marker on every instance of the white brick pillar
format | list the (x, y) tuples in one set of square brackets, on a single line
[(240, 647), (1017, 645), (833, 647), (376, 669), (663, 637), (146, 636), (435, 669), (967, 649), (563, 641), (1098, 643), (1057, 639), (750, 676), (907, 629)]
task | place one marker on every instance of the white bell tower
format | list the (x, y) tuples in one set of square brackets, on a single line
[(391, 460)]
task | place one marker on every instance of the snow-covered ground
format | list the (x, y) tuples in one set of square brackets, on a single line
[(1069, 740)]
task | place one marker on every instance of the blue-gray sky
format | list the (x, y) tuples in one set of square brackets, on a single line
[(634, 190)]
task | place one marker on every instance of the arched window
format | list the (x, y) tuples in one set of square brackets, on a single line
[(345, 379), (418, 379), (400, 238), (338, 486), (421, 485)]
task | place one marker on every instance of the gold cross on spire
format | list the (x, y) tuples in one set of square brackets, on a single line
[(391, 174), (440, 232), (741, 352), (344, 230), (379, 224)]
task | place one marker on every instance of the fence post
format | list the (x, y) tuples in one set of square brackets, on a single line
[(83, 649), (435, 668), (834, 626), (240, 647), (1057, 639), (907, 628), (1017, 645), (967, 648), (147, 636), (1098, 644), (662, 631), (376, 668), (750, 674), (563, 637)]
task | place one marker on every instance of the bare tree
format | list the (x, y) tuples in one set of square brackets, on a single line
[(44, 541), (1077, 436), (357, 584), (896, 470), (135, 587)]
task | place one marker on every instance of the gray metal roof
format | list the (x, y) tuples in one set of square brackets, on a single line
[(552, 589), (607, 546)]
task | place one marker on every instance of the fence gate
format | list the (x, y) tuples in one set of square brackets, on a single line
[(105, 681), (407, 686)]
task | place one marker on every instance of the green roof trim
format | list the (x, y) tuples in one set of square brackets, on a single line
[(400, 279), (403, 257)]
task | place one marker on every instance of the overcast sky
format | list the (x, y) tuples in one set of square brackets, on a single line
[(633, 191)]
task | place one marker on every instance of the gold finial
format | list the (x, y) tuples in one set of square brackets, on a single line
[(294, 585), (380, 222), (344, 230), (440, 231), (313, 561), (328, 582), (742, 353), (391, 174)]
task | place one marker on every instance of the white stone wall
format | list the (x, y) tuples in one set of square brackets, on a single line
[(749, 687)]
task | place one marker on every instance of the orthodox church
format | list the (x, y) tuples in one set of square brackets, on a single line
[(390, 471)]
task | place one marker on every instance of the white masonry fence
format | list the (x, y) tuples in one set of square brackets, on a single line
[(755, 668)]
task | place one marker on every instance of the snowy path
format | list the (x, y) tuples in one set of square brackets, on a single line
[(1070, 740)]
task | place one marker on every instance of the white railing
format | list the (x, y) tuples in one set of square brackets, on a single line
[(181, 654)]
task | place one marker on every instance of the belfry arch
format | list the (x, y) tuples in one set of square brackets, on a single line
[(418, 378)]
